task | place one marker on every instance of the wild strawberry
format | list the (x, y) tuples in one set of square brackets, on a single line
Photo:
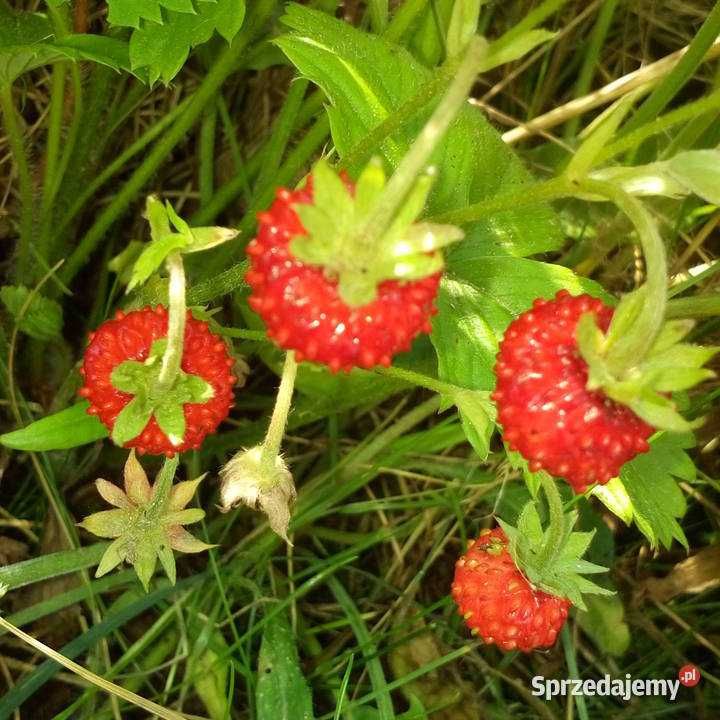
[(498, 603), (330, 291), (515, 585), (121, 365), (544, 405)]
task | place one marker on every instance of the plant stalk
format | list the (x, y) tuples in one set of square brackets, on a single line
[(417, 157), (177, 312), (630, 350), (278, 421)]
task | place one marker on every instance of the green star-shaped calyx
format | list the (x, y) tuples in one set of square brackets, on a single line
[(141, 379), (343, 237), (551, 557), (147, 522), (644, 383)]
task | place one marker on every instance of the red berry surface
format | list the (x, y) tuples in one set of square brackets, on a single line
[(544, 407), (498, 603), (130, 337), (303, 310)]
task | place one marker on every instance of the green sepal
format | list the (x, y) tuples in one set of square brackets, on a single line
[(132, 420), (669, 366), (342, 238), (551, 557), (164, 241), (141, 379), (147, 522)]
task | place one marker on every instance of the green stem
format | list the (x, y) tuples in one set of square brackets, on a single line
[(630, 349), (278, 421), (693, 307), (417, 157), (409, 376), (172, 357), (556, 524), (530, 194), (17, 146)]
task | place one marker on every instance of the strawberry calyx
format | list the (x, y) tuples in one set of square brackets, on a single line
[(343, 237), (152, 396), (645, 383), (147, 522), (641, 360), (551, 557)]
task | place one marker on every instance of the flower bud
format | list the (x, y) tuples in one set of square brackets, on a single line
[(267, 486)]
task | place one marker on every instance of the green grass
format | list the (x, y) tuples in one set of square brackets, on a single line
[(355, 616)]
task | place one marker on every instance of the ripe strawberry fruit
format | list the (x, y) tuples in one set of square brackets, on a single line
[(130, 337), (545, 409), (498, 603), (302, 307)]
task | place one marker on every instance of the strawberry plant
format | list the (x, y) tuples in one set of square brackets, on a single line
[(409, 287)]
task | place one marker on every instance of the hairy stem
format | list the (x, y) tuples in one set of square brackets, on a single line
[(417, 157), (278, 421), (172, 358), (629, 350)]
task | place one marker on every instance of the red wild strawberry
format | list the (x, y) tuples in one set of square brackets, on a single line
[(544, 406), (498, 603), (329, 289), (514, 585), (302, 307), (131, 340)]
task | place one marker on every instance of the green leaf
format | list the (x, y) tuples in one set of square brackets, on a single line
[(604, 622), (281, 692), (111, 558), (699, 171), (41, 319), (163, 49), (145, 562), (598, 134), (477, 414), (473, 163), (519, 46), (45, 567), (167, 560), (66, 429), (132, 420), (130, 12), (27, 41), (211, 671), (615, 498), (463, 25), (650, 482)]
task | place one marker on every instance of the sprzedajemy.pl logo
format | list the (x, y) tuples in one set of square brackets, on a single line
[(624, 688)]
